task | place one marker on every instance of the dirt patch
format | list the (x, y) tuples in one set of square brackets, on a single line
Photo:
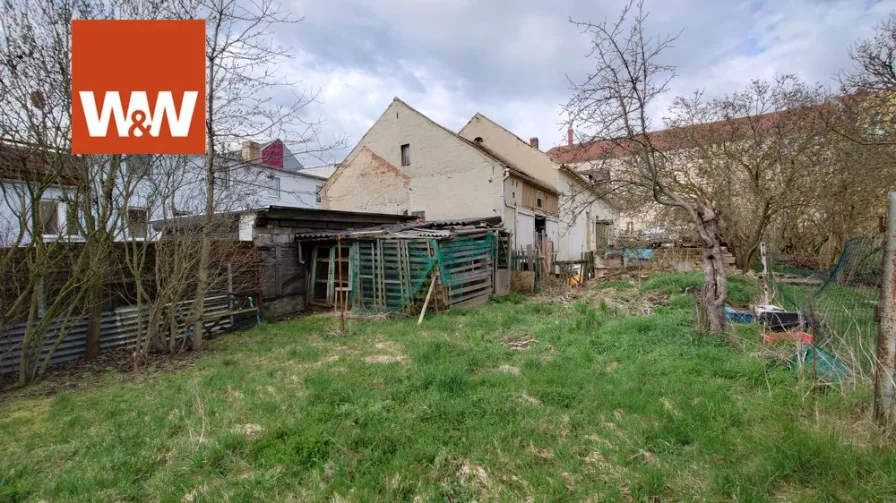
[(519, 342), (611, 366), (542, 453), (509, 369), (389, 346), (385, 359), (474, 474), (251, 429), (669, 406), (526, 399)]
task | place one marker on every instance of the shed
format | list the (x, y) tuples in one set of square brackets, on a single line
[(391, 268)]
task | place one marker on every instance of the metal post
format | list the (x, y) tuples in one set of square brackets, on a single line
[(885, 362), (763, 252)]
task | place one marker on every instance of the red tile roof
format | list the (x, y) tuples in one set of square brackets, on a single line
[(23, 161), (680, 137)]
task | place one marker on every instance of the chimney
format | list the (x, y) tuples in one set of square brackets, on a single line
[(251, 152), (533, 142), (569, 137)]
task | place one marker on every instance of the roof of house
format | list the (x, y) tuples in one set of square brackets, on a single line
[(29, 162), (512, 168), (676, 137), (480, 116), (324, 171)]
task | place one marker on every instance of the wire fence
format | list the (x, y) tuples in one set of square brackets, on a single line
[(840, 305)]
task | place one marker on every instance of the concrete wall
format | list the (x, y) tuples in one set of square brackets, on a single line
[(512, 148), (449, 179)]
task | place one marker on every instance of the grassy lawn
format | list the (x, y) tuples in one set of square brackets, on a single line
[(582, 399)]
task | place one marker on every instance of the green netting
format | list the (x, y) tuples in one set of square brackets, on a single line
[(841, 306), (393, 274)]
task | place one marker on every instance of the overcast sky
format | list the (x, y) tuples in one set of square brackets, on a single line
[(509, 59)]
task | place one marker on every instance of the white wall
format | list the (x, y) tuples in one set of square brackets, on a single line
[(175, 184), (449, 179), (580, 210)]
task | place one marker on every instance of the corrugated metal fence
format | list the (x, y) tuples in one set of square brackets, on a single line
[(118, 329)]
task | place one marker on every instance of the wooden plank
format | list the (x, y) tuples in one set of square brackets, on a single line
[(477, 300), (461, 279), (471, 287)]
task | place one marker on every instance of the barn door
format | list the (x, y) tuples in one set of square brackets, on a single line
[(525, 231)]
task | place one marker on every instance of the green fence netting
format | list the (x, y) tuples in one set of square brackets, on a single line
[(840, 304), (393, 274)]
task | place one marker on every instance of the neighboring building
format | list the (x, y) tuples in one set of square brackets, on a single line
[(585, 220), (408, 164), (148, 188)]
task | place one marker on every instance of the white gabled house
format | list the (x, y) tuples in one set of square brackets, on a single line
[(407, 163)]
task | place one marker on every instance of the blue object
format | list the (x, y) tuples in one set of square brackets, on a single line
[(734, 316), (826, 366), (639, 253)]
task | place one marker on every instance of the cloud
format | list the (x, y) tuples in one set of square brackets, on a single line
[(510, 59)]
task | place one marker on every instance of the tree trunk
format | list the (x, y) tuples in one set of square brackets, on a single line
[(715, 283), (205, 250)]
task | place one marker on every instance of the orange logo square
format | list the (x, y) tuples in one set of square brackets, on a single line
[(138, 87)]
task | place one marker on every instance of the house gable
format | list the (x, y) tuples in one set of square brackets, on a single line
[(448, 177), (367, 182), (520, 154)]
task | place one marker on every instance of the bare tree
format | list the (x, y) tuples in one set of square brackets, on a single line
[(613, 104), (758, 152), (58, 253), (241, 55)]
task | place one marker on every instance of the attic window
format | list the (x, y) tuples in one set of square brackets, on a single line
[(406, 154), (478, 140)]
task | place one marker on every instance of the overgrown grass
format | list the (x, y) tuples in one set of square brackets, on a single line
[(740, 290), (511, 401)]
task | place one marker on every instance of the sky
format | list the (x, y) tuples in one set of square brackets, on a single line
[(512, 60)]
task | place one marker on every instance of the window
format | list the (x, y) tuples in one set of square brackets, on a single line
[(539, 198), (48, 213), (406, 154), (274, 187), (72, 225), (140, 165), (137, 223), (317, 192)]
